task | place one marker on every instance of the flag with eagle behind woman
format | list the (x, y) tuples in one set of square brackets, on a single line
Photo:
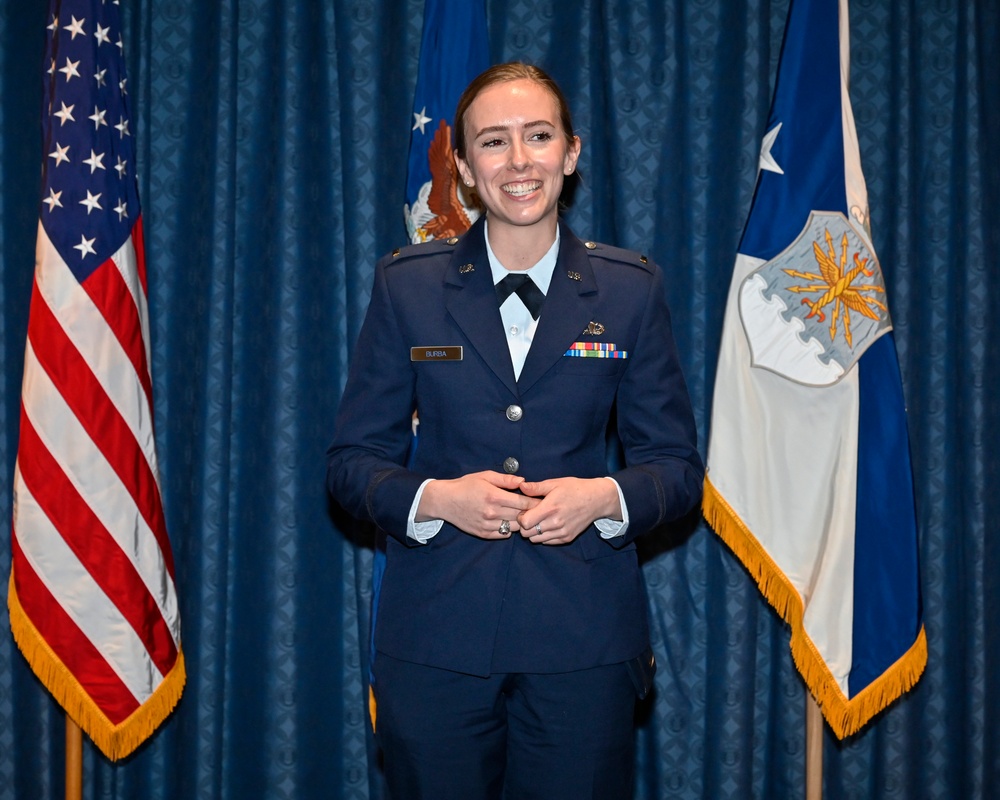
[(454, 49)]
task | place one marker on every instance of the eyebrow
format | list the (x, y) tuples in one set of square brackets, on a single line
[(502, 128)]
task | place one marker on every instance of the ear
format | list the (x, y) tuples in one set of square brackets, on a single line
[(572, 156), (464, 171)]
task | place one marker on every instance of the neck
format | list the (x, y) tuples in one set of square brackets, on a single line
[(521, 247)]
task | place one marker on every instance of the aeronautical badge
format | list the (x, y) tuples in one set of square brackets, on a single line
[(810, 312)]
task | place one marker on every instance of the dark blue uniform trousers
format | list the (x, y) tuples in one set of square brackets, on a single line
[(450, 736)]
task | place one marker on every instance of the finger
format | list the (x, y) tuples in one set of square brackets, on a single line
[(556, 535), (503, 505), (515, 506), (534, 513), (536, 488), (534, 533), (502, 480), (502, 529)]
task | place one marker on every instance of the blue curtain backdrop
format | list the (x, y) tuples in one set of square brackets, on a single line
[(272, 140)]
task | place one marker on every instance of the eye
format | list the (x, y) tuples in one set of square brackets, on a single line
[(541, 136), (487, 144)]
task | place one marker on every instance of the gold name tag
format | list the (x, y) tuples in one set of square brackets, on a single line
[(453, 353)]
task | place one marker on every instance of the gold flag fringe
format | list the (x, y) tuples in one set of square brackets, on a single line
[(115, 741), (846, 716), (371, 706)]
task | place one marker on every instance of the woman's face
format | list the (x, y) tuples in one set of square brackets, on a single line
[(517, 153)]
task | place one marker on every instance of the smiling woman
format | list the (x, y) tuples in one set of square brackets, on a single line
[(511, 632), (521, 148)]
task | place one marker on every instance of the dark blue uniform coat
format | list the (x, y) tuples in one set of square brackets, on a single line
[(476, 606)]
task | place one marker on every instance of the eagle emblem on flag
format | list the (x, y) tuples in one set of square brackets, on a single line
[(812, 311), (441, 209)]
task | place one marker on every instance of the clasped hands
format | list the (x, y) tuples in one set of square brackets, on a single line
[(553, 511)]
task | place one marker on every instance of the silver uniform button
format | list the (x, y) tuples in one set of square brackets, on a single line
[(510, 465), (514, 413)]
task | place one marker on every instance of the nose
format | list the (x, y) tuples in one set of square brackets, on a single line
[(519, 155)]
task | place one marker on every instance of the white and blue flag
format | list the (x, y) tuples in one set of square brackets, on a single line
[(809, 478)]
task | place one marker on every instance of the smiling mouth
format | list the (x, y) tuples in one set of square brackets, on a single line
[(522, 188)]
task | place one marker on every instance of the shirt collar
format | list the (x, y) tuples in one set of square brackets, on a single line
[(540, 272)]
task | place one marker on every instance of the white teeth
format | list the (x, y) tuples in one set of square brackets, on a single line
[(521, 189)]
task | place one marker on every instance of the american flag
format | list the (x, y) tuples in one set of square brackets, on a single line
[(92, 598)]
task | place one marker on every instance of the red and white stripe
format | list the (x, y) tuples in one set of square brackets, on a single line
[(92, 564)]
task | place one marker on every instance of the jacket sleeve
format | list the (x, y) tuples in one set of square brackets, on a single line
[(365, 462), (663, 475)]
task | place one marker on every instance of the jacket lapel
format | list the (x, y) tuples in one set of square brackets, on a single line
[(472, 302), (568, 307)]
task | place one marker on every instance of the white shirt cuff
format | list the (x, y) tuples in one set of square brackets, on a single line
[(612, 528), (423, 532)]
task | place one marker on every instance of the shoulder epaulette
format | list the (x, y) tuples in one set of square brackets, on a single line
[(430, 247), (619, 255)]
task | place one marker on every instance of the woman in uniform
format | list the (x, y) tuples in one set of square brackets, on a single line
[(511, 629)]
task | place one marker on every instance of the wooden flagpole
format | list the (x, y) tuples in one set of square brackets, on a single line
[(814, 749), (74, 760)]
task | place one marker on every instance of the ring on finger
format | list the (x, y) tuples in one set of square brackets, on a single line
[(538, 528), (504, 528)]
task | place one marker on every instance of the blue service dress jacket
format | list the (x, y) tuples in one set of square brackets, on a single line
[(433, 341)]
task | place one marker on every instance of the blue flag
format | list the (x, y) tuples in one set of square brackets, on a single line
[(454, 49), (809, 478)]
